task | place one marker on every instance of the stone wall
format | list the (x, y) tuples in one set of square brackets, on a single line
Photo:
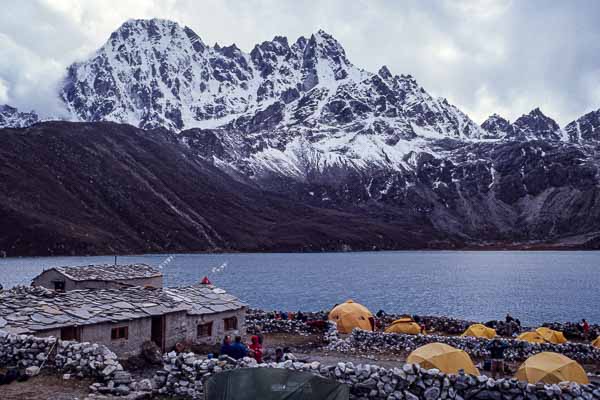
[(139, 331), (184, 374), (218, 327), (258, 321), (265, 322), (517, 350), (83, 359)]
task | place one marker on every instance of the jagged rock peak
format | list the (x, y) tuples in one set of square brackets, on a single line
[(585, 128), (139, 30), (536, 125), (156, 73), (497, 126), (385, 73)]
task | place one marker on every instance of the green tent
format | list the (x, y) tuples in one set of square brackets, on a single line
[(272, 384)]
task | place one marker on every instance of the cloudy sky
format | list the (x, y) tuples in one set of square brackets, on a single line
[(484, 56)]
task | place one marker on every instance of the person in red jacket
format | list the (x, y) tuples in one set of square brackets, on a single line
[(586, 329), (256, 349)]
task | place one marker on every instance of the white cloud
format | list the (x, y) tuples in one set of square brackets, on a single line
[(3, 92), (488, 56)]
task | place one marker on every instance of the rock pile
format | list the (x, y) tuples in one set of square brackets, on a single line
[(183, 375), (365, 342)]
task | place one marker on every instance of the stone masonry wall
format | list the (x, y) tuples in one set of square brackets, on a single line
[(83, 359), (184, 375), (517, 350)]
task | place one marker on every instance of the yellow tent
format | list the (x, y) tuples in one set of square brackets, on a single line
[(443, 357), (350, 315), (551, 336), (596, 343), (404, 325), (550, 368), (531, 337), (480, 330)]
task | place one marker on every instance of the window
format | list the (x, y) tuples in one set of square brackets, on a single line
[(230, 323), (204, 330), (121, 332), (69, 333), (59, 286)]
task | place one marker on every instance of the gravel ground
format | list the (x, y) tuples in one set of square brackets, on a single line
[(46, 387)]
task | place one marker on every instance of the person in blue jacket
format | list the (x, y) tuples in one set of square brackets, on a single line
[(226, 346), (238, 349)]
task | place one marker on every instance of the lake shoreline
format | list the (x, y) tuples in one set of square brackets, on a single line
[(500, 247), (535, 286)]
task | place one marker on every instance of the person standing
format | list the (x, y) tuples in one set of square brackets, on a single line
[(238, 349), (256, 349), (226, 346), (496, 350), (509, 324), (586, 329)]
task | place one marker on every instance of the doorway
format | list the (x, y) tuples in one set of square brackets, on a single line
[(157, 332)]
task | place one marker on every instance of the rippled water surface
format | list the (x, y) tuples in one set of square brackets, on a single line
[(533, 286)]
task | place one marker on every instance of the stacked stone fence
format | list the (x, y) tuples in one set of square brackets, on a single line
[(259, 321), (185, 375), (516, 350), (81, 360)]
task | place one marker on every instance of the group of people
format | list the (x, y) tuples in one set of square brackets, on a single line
[(291, 316), (238, 349)]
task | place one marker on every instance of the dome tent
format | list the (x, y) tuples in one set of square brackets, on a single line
[(480, 330), (531, 337), (350, 315), (446, 358), (551, 336), (551, 368), (404, 325)]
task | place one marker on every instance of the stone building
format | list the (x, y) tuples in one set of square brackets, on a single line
[(99, 277), (122, 319)]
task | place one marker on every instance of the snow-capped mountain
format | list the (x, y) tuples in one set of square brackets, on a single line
[(532, 126), (301, 121), (536, 125), (498, 127), (11, 117), (585, 129), (157, 73)]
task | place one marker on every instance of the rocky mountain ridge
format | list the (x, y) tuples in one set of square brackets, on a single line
[(300, 122)]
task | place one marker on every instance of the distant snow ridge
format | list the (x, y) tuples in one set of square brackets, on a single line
[(297, 109), (586, 128), (10, 117), (532, 126)]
